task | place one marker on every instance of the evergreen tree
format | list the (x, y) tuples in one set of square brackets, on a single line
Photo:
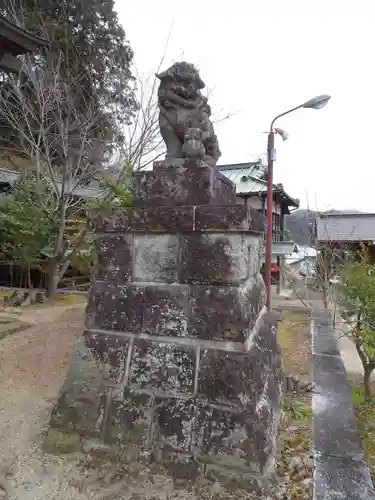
[(95, 52)]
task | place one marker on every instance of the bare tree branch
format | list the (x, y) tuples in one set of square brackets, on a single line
[(54, 121)]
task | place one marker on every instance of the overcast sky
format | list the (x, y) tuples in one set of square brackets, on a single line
[(263, 57)]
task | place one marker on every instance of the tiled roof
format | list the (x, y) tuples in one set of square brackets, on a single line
[(246, 176), (346, 227), (249, 178)]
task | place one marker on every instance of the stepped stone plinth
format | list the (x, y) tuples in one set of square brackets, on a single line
[(179, 363)]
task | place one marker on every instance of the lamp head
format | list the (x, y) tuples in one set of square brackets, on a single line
[(284, 134), (317, 102)]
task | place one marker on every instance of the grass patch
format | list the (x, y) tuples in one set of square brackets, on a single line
[(293, 335), (294, 409), (70, 299), (365, 411), (294, 464)]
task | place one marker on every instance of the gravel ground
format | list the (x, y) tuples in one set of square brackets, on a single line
[(33, 364)]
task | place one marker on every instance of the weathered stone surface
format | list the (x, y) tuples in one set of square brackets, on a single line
[(172, 219), (107, 220), (164, 367), (178, 464), (166, 310), (111, 352), (337, 478), (184, 117), (333, 408), (340, 469), (175, 424), (114, 259), (82, 401), (255, 248), (129, 421), (80, 410), (234, 478), (182, 186), (56, 442), (237, 425), (154, 309), (214, 259), (109, 306), (256, 296), (177, 365), (225, 313), (228, 218), (156, 258), (163, 219), (157, 219), (234, 439), (324, 341), (231, 378)]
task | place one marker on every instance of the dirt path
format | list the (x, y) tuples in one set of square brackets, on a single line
[(33, 364)]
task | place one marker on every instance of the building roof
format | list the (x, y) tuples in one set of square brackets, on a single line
[(301, 252), (13, 42), (236, 171), (9, 177), (16, 40), (249, 179), (355, 227)]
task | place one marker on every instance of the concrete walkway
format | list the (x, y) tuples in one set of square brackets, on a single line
[(347, 348)]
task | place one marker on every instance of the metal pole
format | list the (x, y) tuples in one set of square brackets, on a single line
[(270, 153), (313, 103), (270, 156)]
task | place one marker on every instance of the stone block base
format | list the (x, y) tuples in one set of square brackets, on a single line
[(198, 411), (179, 365)]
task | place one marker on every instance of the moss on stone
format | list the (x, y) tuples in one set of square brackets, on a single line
[(56, 442)]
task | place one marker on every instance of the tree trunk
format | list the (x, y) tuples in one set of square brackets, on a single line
[(367, 382), (28, 277), (53, 279), (325, 295), (79, 240)]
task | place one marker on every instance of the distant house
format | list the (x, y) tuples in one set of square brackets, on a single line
[(302, 260), (92, 190), (251, 189), (347, 232)]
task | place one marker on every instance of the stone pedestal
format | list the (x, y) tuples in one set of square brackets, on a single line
[(179, 363)]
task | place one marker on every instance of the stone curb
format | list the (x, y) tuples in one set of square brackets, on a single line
[(340, 468)]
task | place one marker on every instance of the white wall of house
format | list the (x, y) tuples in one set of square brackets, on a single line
[(240, 200), (255, 202)]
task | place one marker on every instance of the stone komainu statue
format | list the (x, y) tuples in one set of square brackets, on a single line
[(184, 117)]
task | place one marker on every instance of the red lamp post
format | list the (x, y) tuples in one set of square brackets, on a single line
[(315, 103)]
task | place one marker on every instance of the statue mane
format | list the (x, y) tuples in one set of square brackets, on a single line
[(184, 117)]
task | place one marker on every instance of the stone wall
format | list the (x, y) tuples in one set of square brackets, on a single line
[(179, 363), (340, 467)]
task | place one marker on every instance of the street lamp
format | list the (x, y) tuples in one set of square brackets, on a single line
[(314, 103)]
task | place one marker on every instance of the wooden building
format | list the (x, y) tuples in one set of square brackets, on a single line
[(251, 189), (14, 41)]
